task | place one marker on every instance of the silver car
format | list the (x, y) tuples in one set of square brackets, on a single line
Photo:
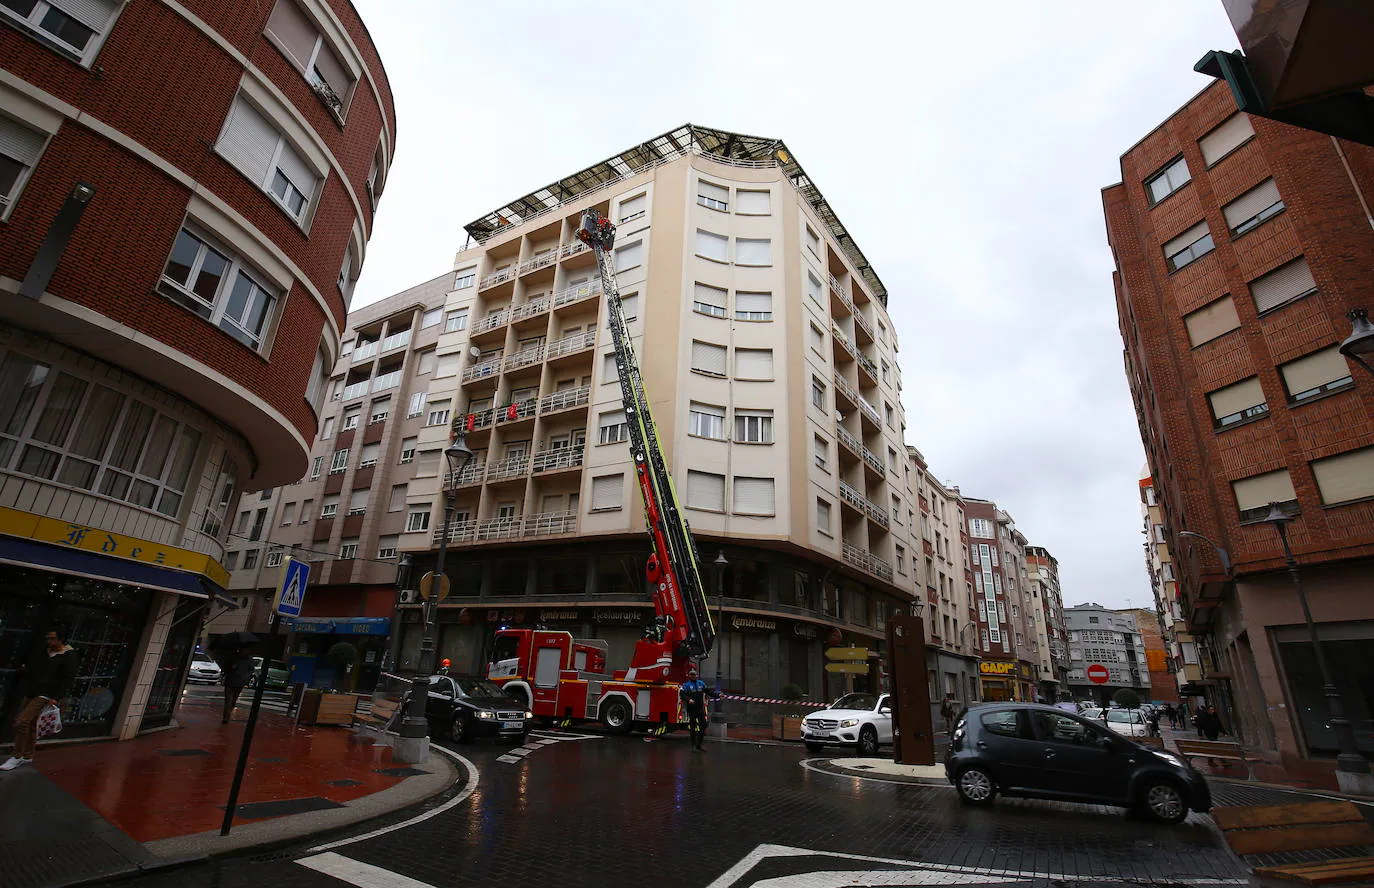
[(204, 669)]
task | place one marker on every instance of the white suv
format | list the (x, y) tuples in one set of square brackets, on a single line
[(863, 721)]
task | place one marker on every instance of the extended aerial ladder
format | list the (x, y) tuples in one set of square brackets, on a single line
[(683, 631)]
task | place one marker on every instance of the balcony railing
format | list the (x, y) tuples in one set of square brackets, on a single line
[(870, 411), (572, 248), (851, 443), (498, 318), (578, 293), (510, 467), (489, 367), (524, 358), (500, 528), (855, 498), (470, 474), (559, 458), (571, 344), (364, 350), (551, 523), (867, 561), (386, 380), (843, 340), (867, 363), (481, 419), (530, 309), (499, 276), (517, 411), (843, 387), (396, 340), (567, 398), (458, 532), (859, 320), (357, 389), (543, 260), (875, 463)]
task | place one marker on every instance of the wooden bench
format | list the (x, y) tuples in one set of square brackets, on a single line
[(1312, 826), (379, 715), (1217, 749)]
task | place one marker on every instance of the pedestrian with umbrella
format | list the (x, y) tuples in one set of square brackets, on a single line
[(231, 650)]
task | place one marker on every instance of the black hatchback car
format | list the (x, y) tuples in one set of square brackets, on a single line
[(1026, 749), (465, 707)]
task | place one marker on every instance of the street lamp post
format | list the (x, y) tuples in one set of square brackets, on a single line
[(1348, 761), (720, 564), (1360, 342), (415, 727)]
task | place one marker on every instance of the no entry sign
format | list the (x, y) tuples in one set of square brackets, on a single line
[(1098, 674)]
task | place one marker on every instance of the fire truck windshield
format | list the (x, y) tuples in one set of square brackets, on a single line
[(506, 646)]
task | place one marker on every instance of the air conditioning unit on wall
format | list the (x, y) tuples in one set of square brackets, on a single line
[(410, 596)]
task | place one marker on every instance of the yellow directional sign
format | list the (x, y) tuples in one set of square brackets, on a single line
[(427, 586), (851, 668), (849, 653)]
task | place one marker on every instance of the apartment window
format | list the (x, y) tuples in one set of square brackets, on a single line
[(892, 459), (1345, 477), (712, 246), (19, 151), (427, 463), (612, 428), (1236, 131), (821, 449), (1254, 494), (609, 373), (891, 416), (633, 208), (823, 516), (262, 154), (427, 358), (316, 467), (319, 375), (813, 288), (431, 318), (213, 282), (417, 405), (753, 306), (386, 546), (288, 514), (705, 491), (754, 496), (250, 559), (708, 358), (464, 279), (1253, 208), (1167, 181), (447, 365), (348, 550), (885, 370), (417, 519), (1188, 247), (709, 300), (408, 450), (307, 509), (712, 196), (818, 393), (367, 458), (1282, 285), (706, 421), (629, 256), (438, 413), (754, 426), (231, 561), (982, 529), (813, 243), (456, 321), (350, 418), (1314, 375), (752, 203), (77, 26), (607, 492), (817, 340), (397, 501), (327, 428), (348, 273), (753, 363), (753, 251), (329, 506), (357, 501), (339, 461), (897, 512), (301, 42), (1237, 403), (1211, 321)]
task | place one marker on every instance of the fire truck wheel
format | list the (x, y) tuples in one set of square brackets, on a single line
[(616, 715)]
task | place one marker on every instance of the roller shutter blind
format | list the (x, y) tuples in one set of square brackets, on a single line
[(1260, 490), (632, 206), (249, 142), (606, 492), (19, 142), (712, 246), (753, 203), (1348, 476), (714, 297), (1210, 321), (94, 13), (1225, 138), (1251, 203), (713, 191), (753, 251), (301, 174), (1314, 371), (753, 302), (1186, 239), (368, 455), (705, 491), (446, 365), (753, 363), (332, 71), (754, 496), (1282, 284), (1236, 398), (357, 500), (294, 31), (629, 255), (708, 358)]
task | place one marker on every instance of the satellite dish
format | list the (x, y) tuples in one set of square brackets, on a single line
[(475, 352)]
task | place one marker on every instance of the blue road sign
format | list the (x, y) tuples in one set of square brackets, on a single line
[(291, 595)]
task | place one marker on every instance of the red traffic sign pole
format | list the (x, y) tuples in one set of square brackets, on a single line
[(1098, 674)]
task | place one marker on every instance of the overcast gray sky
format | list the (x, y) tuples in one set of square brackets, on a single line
[(963, 144)]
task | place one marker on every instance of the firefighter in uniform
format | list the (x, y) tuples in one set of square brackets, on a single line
[(694, 693)]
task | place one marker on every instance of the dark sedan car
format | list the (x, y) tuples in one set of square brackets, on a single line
[(463, 708), (1025, 749)]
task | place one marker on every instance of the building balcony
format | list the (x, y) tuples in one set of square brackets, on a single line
[(843, 340), (570, 345), (510, 467), (497, 277), (470, 474), (863, 504), (576, 294), (356, 390), (873, 463), (866, 561), (481, 419), (396, 340), (543, 260), (514, 527), (866, 364), (845, 390), (386, 381), (498, 318), (533, 309), (526, 358), (870, 412), (550, 524), (364, 351), (517, 411), (566, 399), (506, 528), (572, 248), (458, 532), (849, 442), (489, 367), (558, 458)]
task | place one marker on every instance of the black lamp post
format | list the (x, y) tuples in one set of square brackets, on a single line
[(415, 726), (720, 564), (1360, 342), (1349, 759)]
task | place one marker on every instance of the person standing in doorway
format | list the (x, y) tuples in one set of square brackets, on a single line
[(948, 710), (238, 671), (45, 679)]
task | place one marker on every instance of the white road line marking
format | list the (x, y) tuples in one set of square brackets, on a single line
[(521, 751), (355, 872), (509, 759), (532, 746), (806, 763), (565, 735), (850, 878), (545, 742), (462, 796)]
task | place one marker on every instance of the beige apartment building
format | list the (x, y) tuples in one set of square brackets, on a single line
[(1184, 666), (771, 363)]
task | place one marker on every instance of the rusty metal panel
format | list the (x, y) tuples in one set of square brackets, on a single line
[(913, 739)]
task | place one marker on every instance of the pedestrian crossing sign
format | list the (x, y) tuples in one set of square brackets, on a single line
[(291, 594)]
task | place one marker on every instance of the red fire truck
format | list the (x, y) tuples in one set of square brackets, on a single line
[(564, 678)]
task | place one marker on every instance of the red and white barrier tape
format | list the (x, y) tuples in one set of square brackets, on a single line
[(770, 700)]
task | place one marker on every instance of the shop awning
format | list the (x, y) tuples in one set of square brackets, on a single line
[(338, 625), (76, 562)]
